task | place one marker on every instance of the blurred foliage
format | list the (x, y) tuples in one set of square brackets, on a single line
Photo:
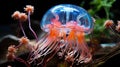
[(99, 4), (98, 7)]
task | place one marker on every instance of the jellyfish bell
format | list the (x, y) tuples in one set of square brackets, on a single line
[(67, 16)]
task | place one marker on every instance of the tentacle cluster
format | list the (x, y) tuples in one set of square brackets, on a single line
[(70, 44)]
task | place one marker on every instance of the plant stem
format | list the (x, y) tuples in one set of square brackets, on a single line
[(31, 27), (22, 29), (106, 11)]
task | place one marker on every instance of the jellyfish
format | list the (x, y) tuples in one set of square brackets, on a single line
[(66, 26)]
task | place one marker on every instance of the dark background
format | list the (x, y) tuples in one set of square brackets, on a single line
[(7, 7)]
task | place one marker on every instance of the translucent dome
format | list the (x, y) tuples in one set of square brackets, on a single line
[(65, 14)]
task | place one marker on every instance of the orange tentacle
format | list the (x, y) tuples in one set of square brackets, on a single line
[(71, 35)]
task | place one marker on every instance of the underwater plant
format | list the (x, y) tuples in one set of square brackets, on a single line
[(101, 10), (109, 24), (66, 26)]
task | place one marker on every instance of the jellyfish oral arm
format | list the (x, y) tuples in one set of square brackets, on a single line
[(85, 53)]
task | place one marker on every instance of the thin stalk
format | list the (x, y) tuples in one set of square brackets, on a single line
[(35, 35), (107, 13), (22, 29)]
